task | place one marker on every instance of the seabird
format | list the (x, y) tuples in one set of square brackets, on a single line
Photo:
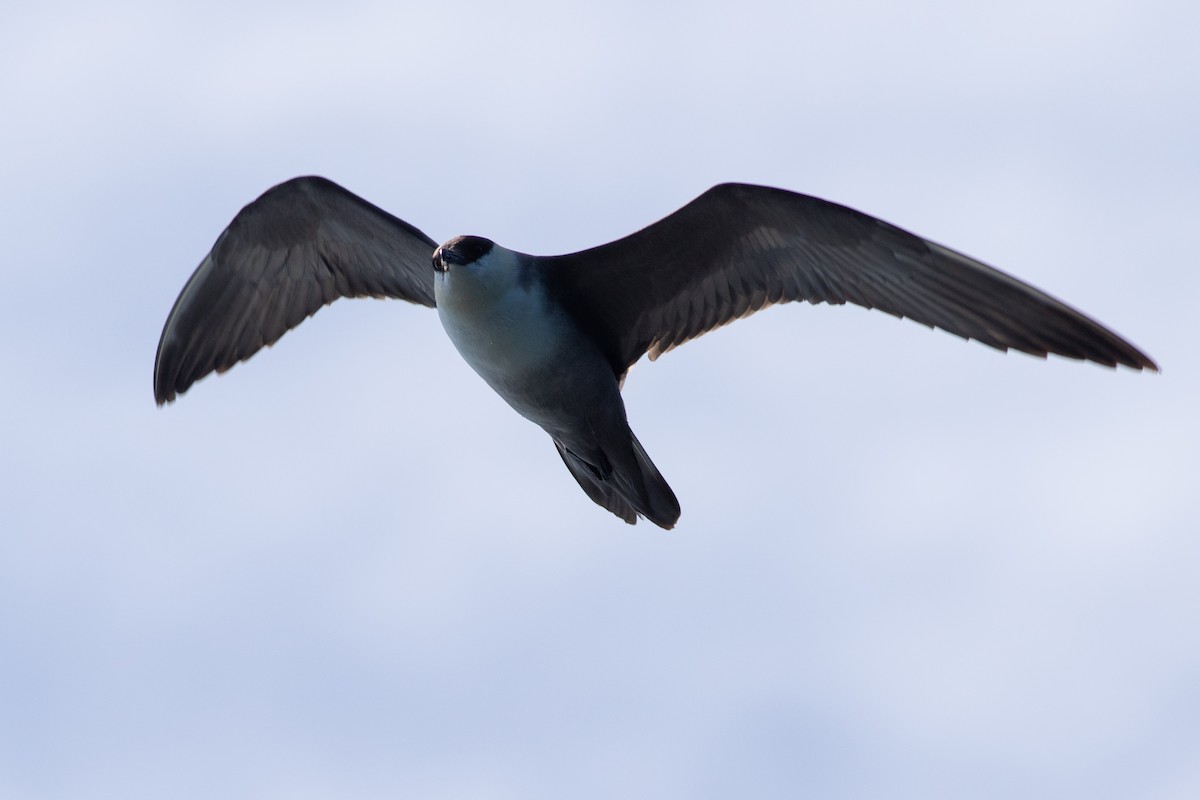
[(555, 335)]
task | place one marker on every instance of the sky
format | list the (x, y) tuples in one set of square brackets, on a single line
[(908, 565)]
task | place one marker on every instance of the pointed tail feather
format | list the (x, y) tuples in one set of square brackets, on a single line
[(638, 490), (661, 505)]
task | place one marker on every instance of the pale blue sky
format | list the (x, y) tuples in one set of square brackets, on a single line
[(908, 566)]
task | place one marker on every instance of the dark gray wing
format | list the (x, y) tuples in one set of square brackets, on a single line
[(300, 246), (739, 248)]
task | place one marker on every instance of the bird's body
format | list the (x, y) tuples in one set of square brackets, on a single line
[(535, 356), (554, 336), (505, 326)]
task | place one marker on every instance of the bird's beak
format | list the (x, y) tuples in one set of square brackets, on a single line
[(439, 261)]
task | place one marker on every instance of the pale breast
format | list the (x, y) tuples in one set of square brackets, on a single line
[(502, 335), (523, 345)]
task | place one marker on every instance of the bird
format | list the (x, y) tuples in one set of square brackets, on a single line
[(554, 336)]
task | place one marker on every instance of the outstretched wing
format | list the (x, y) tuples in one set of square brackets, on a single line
[(300, 246), (739, 248)]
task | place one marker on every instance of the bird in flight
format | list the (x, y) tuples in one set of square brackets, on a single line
[(555, 335)]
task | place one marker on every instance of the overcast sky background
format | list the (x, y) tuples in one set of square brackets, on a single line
[(908, 566)]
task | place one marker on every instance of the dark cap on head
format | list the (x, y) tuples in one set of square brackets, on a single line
[(461, 250)]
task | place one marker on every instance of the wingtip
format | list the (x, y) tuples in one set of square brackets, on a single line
[(1136, 360), (1137, 363), (163, 391), (162, 396), (166, 385)]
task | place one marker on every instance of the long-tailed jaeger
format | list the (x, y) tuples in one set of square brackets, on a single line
[(555, 335)]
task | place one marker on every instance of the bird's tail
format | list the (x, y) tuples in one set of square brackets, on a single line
[(659, 504), (638, 489)]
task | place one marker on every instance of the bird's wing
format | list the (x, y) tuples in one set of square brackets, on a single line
[(739, 248), (300, 246)]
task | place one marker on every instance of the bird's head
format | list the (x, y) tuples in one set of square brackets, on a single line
[(461, 251)]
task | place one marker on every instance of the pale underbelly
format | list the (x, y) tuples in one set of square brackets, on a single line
[(538, 361)]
